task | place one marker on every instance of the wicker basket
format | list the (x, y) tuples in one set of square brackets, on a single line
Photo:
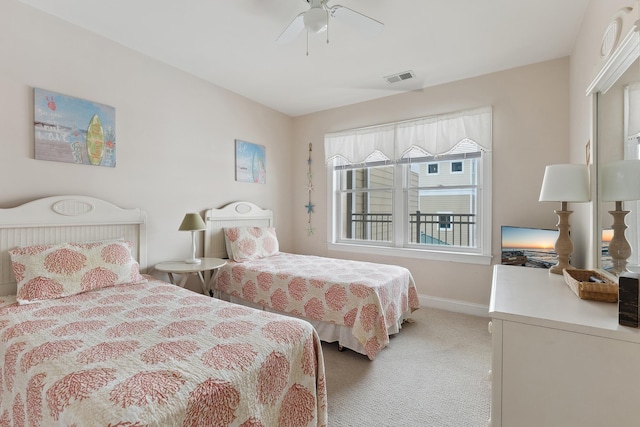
[(578, 281)]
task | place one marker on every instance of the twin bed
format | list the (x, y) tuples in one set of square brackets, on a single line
[(86, 340), (357, 304)]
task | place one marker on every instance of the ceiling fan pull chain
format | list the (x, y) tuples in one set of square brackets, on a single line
[(307, 42), (327, 27)]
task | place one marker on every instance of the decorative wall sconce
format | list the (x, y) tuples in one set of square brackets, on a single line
[(564, 183)]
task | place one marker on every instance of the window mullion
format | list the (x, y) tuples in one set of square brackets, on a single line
[(400, 201)]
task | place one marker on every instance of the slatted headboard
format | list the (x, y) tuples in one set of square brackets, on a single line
[(235, 214), (60, 219)]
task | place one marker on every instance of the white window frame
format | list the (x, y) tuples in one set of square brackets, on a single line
[(480, 255), (437, 165), (398, 142)]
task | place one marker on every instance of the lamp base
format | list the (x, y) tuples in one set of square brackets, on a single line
[(192, 261), (619, 248), (563, 245)]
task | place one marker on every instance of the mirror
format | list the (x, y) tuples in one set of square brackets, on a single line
[(616, 92), (614, 144)]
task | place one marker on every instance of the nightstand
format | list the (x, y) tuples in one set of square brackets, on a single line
[(210, 265)]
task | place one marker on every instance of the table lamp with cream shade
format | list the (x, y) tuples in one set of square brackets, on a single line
[(564, 183), (620, 182), (192, 222)]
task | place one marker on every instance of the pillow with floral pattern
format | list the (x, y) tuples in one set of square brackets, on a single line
[(251, 242), (54, 271)]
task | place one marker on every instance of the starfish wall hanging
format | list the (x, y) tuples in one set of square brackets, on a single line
[(309, 206)]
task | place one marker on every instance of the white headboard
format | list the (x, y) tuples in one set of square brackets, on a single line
[(235, 214), (61, 219)]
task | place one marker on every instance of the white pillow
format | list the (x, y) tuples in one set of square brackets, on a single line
[(251, 242)]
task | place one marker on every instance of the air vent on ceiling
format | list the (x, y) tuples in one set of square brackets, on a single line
[(395, 78)]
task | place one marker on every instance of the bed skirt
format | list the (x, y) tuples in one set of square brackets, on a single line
[(328, 332)]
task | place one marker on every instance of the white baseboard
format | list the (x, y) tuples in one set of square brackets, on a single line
[(454, 305)]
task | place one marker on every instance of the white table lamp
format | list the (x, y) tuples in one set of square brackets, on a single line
[(564, 183), (192, 222), (620, 182)]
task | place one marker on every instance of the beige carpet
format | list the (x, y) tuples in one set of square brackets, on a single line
[(432, 374)]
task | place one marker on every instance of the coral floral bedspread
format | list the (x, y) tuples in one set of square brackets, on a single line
[(154, 354), (367, 297)]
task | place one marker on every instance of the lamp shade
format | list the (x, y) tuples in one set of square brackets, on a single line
[(620, 181), (565, 183), (192, 222)]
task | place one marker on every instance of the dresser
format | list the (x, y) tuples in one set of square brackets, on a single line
[(558, 360)]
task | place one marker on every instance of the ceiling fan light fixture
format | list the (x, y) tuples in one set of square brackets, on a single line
[(315, 20)]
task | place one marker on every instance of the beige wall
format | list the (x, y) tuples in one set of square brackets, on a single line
[(175, 133), (530, 130)]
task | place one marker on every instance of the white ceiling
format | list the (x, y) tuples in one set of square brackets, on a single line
[(232, 43)]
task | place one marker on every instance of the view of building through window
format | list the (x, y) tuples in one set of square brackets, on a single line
[(440, 207)]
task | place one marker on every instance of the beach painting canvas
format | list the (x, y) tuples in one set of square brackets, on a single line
[(251, 163), (73, 130)]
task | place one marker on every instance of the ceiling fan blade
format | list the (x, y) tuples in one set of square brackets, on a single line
[(292, 31), (356, 20)]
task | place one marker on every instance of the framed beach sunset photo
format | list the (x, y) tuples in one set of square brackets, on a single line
[(528, 247)]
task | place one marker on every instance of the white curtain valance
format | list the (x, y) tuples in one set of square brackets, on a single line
[(434, 135), (361, 145)]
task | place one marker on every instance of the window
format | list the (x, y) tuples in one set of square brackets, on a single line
[(444, 221), (366, 199), (438, 210), (400, 204)]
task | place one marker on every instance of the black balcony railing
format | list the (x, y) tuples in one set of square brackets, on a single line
[(369, 226), (424, 228)]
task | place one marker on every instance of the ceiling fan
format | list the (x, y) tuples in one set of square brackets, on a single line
[(316, 20)]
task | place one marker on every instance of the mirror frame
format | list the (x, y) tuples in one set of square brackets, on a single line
[(624, 55)]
